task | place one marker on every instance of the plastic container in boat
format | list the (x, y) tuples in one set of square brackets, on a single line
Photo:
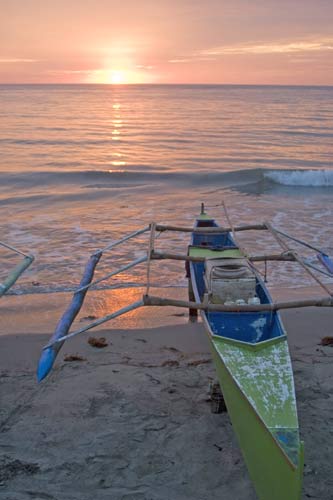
[(253, 301)]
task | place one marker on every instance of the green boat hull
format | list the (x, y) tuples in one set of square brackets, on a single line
[(276, 472)]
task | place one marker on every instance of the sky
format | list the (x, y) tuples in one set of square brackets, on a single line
[(283, 42)]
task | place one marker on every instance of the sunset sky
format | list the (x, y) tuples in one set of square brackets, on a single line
[(167, 41)]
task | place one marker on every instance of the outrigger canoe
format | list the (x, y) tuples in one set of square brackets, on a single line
[(253, 365), (247, 338)]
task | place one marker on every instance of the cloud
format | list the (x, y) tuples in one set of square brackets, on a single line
[(8, 60), (270, 48), (257, 48), (192, 58), (181, 60), (146, 68), (71, 71)]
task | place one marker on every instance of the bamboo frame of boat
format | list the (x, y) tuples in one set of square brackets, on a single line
[(62, 332), (253, 258)]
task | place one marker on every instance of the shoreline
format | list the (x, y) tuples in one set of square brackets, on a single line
[(39, 313)]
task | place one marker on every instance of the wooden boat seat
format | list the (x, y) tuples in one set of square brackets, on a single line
[(229, 280)]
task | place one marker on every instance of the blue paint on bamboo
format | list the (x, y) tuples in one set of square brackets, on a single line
[(326, 261), (49, 354), (46, 361)]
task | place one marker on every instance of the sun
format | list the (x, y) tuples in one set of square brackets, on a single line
[(116, 77), (122, 76), (109, 76)]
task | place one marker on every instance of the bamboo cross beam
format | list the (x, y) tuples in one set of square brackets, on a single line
[(173, 256), (207, 230), (150, 300), (284, 245), (254, 258), (273, 257)]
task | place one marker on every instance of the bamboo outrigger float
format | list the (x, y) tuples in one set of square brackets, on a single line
[(246, 335)]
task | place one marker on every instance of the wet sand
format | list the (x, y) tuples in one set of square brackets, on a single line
[(133, 420)]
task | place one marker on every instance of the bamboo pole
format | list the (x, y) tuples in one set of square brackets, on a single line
[(318, 269), (15, 250), (326, 261), (231, 225), (243, 251), (193, 313), (284, 245), (108, 317), (150, 300), (254, 258), (150, 251), (113, 273), (273, 257), (233, 231), (122, 240), (219, 230), (15, 274), (301, 242)]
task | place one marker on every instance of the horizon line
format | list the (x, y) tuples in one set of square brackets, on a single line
[(119, 85)]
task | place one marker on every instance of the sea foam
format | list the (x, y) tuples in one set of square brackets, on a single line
[(314, 178)]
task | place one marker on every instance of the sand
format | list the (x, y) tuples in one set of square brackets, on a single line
[(132, 420)]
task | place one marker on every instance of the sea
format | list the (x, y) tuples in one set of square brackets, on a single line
[(81, 166)]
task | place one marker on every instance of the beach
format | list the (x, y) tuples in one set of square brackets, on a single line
[(133, 420)]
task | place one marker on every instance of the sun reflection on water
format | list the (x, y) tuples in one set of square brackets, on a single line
[(117, 163), (100, 304)]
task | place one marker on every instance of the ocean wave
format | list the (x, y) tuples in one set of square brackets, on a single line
[(141, 176), (134, 175), (309, 178)]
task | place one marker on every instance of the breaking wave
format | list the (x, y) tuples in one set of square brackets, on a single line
[(21, 187), (310, 178)]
